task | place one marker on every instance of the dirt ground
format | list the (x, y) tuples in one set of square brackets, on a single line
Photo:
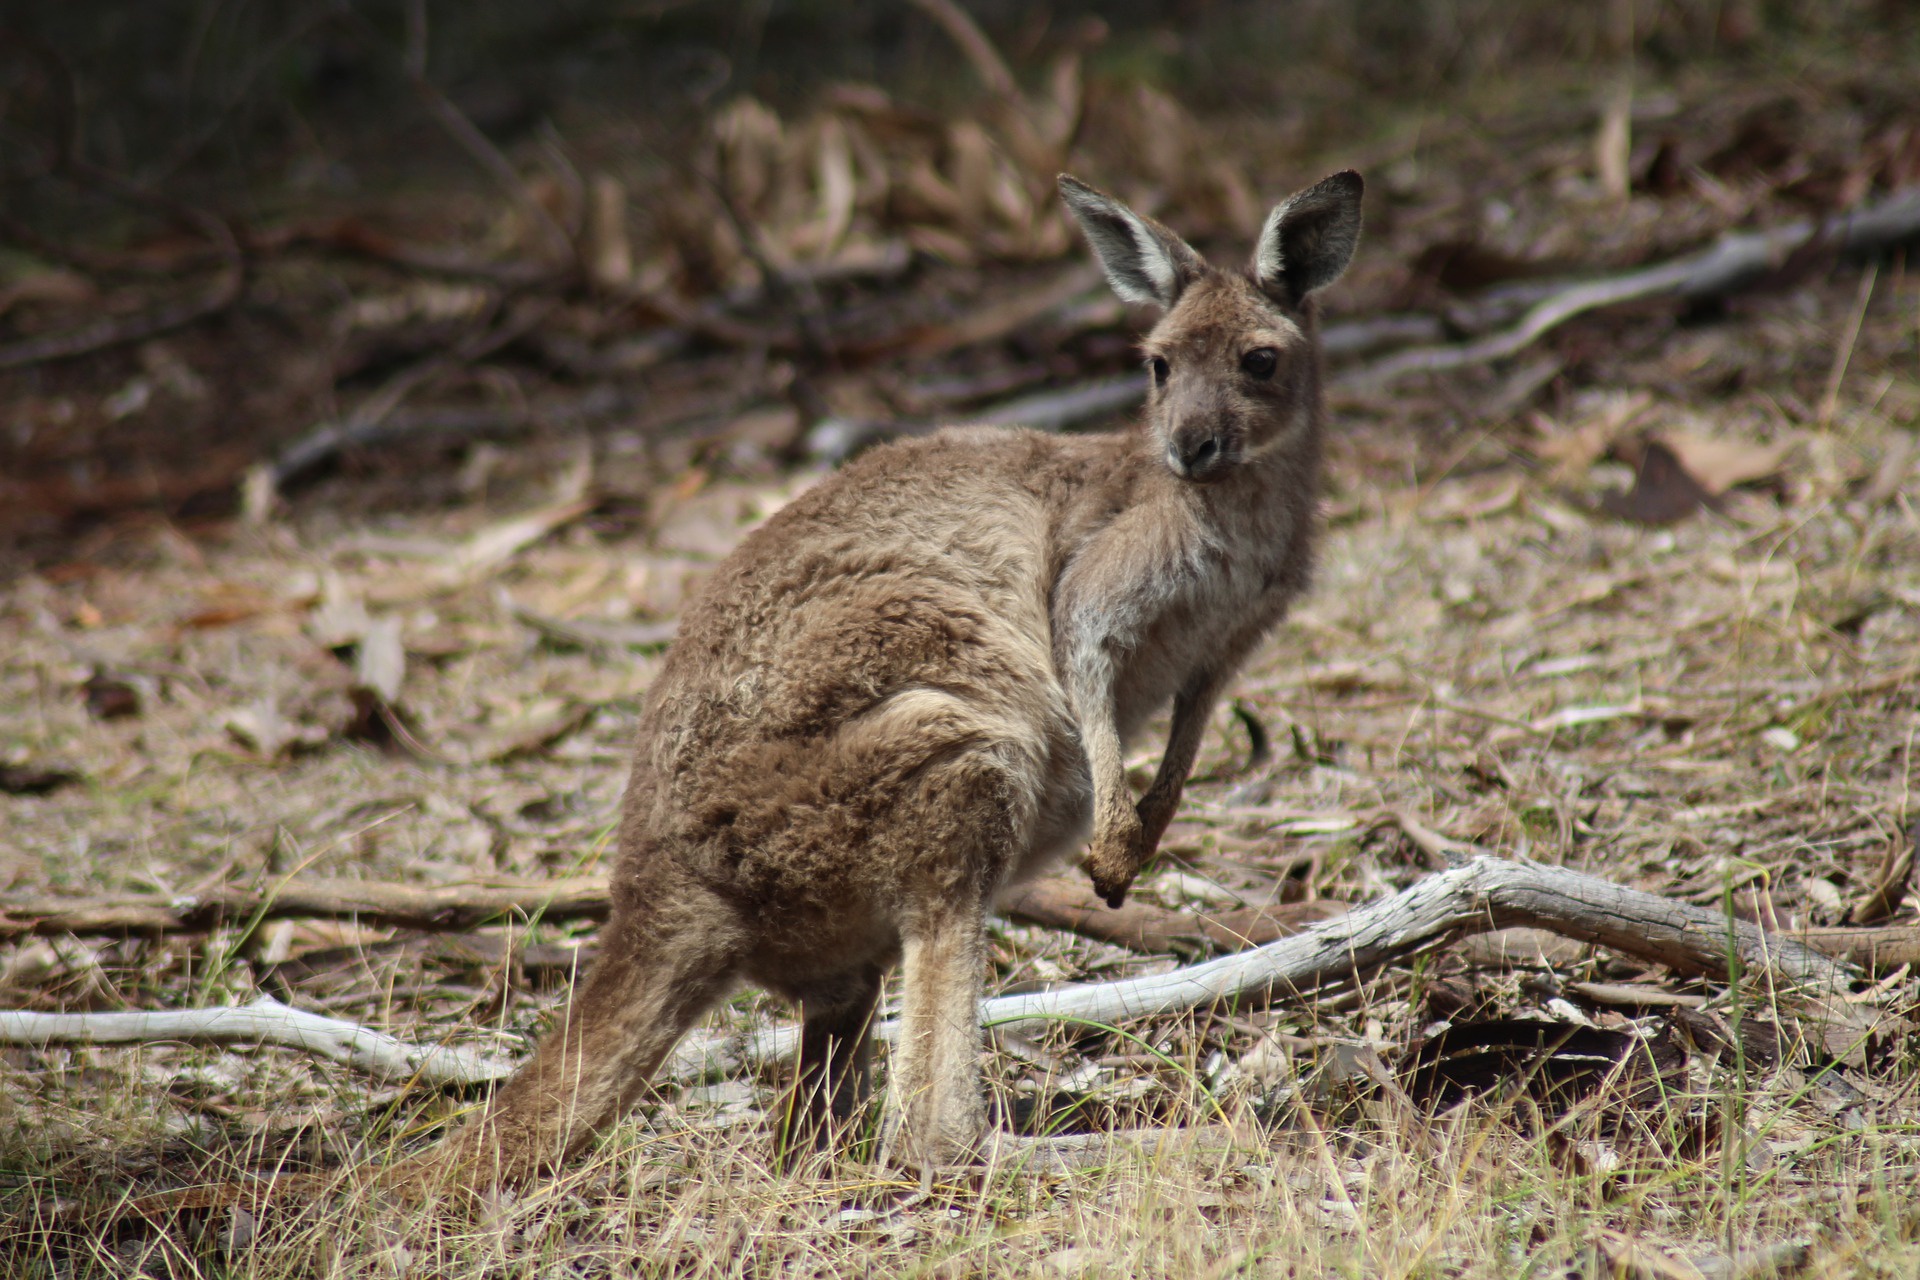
[(423, 664)]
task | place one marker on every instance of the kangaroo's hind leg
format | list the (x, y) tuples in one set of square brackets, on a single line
[(670, 952), (969, 823), (937, 1116)]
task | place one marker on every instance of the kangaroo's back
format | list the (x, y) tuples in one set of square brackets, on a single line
[(893, 615)]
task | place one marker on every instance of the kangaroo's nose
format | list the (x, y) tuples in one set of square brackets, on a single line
[(1194, 456)]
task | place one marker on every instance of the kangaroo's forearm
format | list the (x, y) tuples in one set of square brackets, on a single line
[(1192, 708), (1090, 689)]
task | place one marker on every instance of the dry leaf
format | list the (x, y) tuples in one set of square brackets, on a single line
[(110, 699), (1663, 492), (1573, 451), (586, 633), (498, 543), (379, 660), (996, 320), (1475, 499), (1631, 1259), (226, 605), (837, 191), (1896, 881), (341, 618), (1719, 463), (536, 731), (262, 727), (55, 285)]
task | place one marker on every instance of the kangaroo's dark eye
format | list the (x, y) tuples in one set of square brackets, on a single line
[(1260, 362), (1160, 370)]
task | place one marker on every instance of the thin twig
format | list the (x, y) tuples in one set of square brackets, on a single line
[(979, 51), (118, 331), (1644, 925), (1830, 401)]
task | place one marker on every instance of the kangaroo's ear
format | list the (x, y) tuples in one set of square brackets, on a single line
[(1143, 260), (1309, 239)]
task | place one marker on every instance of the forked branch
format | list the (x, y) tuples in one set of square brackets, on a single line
[(1479, 896)]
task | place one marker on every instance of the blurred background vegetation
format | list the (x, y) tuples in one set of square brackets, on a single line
[(339, 219), (248, 95)]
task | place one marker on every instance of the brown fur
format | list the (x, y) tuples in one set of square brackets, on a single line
[(913, 686)]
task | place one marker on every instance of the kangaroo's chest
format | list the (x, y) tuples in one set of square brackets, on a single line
[(1206, 628)]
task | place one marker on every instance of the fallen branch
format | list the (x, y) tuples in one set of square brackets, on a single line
[(1482, 895), (538, 962), (587, 633), (1513, 894), (265, 1021), (118, 331), (436, 907), (974, 44), (1732, 261), (1070, 406), (1056, 902), (602, 403), (1346, 339), (994, 322), (348, 235), (1040, 150), (837, 438)]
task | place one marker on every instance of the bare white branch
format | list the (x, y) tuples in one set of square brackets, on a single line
[(265, 1021), (1479, 896)]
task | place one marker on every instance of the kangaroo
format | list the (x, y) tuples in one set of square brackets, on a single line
[(914, 686)]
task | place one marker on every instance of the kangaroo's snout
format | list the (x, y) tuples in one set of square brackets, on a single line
[(1198, 454)]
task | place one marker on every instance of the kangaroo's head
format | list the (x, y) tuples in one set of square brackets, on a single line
[(1234, 361)]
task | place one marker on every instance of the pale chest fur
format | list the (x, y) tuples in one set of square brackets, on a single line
[(1231, 583)]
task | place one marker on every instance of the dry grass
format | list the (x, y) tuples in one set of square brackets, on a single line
[(1432, 672)]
